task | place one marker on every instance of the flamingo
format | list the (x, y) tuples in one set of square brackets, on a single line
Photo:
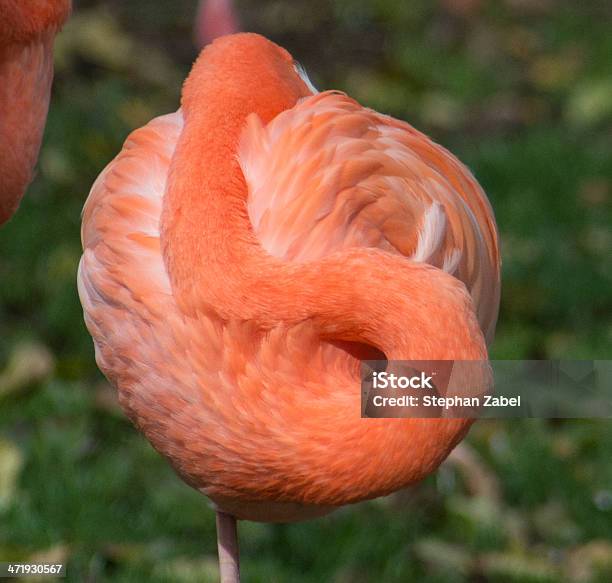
[(214, 18), (242, 254), (27, 30)]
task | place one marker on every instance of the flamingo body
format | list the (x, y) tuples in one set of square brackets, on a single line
[(27, 30), (242, 254)]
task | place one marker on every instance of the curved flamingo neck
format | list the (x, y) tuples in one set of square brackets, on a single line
[(204, 215), (215, 262)]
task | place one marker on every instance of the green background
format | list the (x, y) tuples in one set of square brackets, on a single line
[(521, 91)]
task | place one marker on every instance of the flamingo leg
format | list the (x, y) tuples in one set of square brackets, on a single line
[(227, 543)]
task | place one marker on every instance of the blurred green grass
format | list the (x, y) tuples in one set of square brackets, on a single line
[(520, 90)]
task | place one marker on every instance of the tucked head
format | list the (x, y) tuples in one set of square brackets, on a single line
[(245, 65)]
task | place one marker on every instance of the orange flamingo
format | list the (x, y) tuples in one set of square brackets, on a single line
[(242, 254), (27, 30)]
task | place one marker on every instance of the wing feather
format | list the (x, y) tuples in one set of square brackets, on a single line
[(329, 174)]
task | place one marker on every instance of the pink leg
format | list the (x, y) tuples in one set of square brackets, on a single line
[(227, 542)]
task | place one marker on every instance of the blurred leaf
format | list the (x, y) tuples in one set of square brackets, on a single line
[(480, 479), (188, 570), (28, 364), (557, 70), (590, 103), (442, 111), (11, 462), (596, 191), (96, 35), (480, 520), (590, 560), (554, 524), (519, 567), (441, 556)]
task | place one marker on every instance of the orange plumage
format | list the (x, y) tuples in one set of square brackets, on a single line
[(27, 30), (240, 254)]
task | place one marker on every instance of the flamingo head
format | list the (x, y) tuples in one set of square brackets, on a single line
[(245, 64)]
